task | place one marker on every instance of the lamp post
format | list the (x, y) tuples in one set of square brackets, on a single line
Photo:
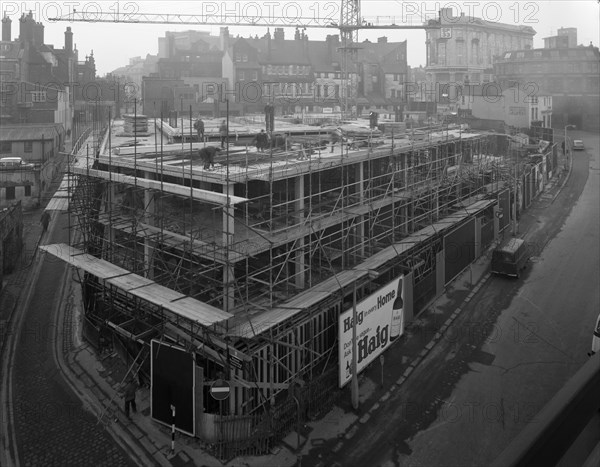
[(354, 381), (566, 141), (515, 222)]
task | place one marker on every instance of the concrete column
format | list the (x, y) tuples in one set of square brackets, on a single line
[(299, 264), (404, 219), (477, 246), (109, 234), (360, 228), (228, 236), (149, 213)]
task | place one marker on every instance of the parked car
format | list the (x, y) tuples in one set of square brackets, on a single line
[(13, 163), (578, 145)]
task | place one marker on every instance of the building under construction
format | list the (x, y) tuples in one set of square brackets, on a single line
[(238, 275)]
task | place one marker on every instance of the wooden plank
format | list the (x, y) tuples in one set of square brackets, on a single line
[(192, 309), (181, 190)]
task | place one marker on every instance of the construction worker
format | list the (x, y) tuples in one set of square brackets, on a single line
[(129, 396), (223, 132), (45, 221), (336, 136), (262, 141), (199, 126), (207, 155)]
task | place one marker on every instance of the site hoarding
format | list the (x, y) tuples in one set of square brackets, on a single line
[(172, 378), (379, 321)]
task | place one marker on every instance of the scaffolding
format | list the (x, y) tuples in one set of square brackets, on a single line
[(270, 243)]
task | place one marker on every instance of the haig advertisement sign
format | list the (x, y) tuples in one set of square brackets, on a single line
[(379, 321)]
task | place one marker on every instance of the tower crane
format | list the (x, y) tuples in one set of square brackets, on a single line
[(350, 22)]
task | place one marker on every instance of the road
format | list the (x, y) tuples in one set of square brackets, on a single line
[(50, 425), (507, 353), (538, 341)]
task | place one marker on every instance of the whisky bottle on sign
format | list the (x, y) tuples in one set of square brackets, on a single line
[(348, 369), (397, 326)]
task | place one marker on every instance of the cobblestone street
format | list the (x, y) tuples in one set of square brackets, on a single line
[(52, 427)]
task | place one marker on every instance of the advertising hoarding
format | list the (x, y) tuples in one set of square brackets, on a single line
[(379, 321), (172, 383)]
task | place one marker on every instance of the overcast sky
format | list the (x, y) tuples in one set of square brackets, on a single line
[(114, 43)]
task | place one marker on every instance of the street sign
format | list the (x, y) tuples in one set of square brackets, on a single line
[(235, 362), (220, 390)]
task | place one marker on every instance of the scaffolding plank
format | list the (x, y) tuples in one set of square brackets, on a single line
[(303, 301), (173, 188), (141, 287), (58, 204)]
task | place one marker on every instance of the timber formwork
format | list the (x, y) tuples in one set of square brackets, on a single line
[(274, 240)]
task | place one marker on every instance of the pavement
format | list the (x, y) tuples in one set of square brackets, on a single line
[(97, 378)]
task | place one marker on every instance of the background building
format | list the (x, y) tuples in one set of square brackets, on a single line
[(519, 107), (463, 50), (297, 75), (569, 74)]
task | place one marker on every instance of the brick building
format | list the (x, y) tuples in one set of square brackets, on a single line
[(570, 74)]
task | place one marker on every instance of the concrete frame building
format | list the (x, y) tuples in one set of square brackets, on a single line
[(243, 273)]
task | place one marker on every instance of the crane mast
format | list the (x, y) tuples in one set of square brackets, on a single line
[(349, 23)]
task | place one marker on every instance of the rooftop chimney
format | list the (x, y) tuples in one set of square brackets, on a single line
[(382, 40), (279, 35), (6, 24), (446, 15), (26, 27), (224, 38), (69, 40)]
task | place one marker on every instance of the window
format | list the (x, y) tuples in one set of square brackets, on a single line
[(255, 75), (10, 192), (38, 96), (244, 58), (28, 146), (241, 75), (476, 53), (27, 190), (6, 146), (460, 52), (441, 53)]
